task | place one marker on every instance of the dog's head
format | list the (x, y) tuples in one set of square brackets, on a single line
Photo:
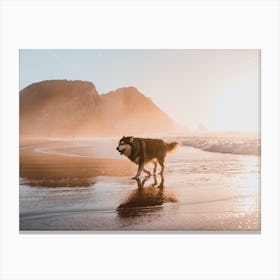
[(125, 145)]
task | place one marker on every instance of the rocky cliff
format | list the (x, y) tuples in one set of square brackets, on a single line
[(61, 108)]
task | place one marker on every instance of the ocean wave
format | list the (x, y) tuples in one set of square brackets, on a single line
[(243, 146)]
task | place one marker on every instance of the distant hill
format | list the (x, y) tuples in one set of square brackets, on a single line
[(61, 108)]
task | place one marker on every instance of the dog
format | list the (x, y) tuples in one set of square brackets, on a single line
[(144, 150)]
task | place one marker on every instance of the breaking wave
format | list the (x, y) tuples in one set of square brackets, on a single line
[(243, 146)]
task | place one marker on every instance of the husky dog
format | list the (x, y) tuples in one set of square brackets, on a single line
[(144, 150)]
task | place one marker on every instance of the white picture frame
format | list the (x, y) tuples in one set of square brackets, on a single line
[(136, 24)]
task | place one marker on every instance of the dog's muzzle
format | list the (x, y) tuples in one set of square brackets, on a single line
[(119, 150)]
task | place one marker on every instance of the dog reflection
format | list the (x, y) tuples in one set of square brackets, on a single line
[(145, 199)]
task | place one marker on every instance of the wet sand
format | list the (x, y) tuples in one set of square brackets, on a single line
[(54, 170), (86, 186)]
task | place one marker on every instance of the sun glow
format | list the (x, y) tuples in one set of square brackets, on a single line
[(238, 108)]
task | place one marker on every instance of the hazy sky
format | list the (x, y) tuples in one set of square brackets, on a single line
[(218, 88)]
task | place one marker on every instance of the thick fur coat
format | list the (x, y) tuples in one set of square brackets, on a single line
[(144, 150)]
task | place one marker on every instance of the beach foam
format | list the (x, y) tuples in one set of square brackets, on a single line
[(244, 146)]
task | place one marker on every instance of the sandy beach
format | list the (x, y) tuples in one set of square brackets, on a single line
[(87, 186)]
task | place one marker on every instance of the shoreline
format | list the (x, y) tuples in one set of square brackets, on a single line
[(200, 191)]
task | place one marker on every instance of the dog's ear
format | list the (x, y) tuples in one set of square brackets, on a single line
[(131, 139)]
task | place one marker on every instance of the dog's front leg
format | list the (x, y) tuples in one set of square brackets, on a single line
[(140, 169), (141, 160), (155, 167), (147, 172)]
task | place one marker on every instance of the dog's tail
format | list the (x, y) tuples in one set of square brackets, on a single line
[(171, 146)]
